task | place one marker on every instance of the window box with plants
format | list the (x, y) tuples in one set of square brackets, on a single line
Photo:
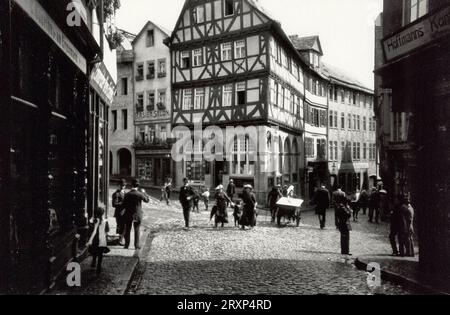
[(162, 75), (150, 76), (161, 106)]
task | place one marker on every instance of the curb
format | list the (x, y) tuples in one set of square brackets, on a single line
[(404, 281)]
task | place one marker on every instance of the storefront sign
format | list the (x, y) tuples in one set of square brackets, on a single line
[(37, 13), (418, 34), (103, 83)]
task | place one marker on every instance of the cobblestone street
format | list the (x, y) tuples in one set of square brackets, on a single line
[(266, 260)]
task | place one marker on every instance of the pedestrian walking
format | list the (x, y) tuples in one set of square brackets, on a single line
[(97, 243), (395, 225), (322, 202), (364, 201), (355, 205), (133, 215), (384, 204), (220, 209), (186, 196), (343, 215), (406, 227), (117, 199), (374, 206), (248, 217), (273, 197), (205, 197), (231, 190), (167, 190)]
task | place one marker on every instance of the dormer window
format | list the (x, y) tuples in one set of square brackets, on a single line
[(229, 7), (314, 59)]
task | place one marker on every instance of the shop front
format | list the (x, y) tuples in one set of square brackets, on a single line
[(417, 72), (44, 101)]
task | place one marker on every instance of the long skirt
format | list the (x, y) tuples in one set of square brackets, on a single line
[(248, 217), (221, 216)]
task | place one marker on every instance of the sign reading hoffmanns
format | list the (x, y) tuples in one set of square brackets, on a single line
[(38, 14), (419, 34)]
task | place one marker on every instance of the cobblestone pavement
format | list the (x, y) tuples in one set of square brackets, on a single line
[(265, 260)]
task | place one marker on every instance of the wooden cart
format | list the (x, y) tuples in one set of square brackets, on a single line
[(289, 208)]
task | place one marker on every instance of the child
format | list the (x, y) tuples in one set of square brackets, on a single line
[(196, 200), (97, 242), (205, 197)]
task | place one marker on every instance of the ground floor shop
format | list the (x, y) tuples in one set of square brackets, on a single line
[(53, 130), (417, 155), (262, 157)]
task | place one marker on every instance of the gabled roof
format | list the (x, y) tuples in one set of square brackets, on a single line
[(342, 77), (307, 43), (162, 29)]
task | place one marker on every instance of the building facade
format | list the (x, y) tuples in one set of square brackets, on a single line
[(54, 100), (315, 114), (232, 65), (121, 128), (413, 93), (152, 111), (352, 152)]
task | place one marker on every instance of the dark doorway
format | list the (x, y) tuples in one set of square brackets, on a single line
[(124, 162), (219, 169)]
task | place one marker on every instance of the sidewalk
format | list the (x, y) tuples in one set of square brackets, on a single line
[(118, 267), (405, 271)]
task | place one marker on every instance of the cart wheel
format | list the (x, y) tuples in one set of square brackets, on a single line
[(279, 221)]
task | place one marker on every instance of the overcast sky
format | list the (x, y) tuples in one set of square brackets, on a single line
[(345, 27)]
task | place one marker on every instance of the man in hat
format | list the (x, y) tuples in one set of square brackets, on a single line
[(231, 190), (117, 199), (186, 197), (322, 202), (374, 205), (133, 216), (406, 227), (272, 199)]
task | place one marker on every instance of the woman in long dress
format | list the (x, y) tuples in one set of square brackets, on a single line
[(249, 214), (220, 209)]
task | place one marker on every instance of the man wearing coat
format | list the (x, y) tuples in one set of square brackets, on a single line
[(343, 215), (186, 198), (322, 201), (231, 190), (133, 215), (406, 228)]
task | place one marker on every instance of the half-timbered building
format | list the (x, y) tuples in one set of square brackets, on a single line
[(316, 113), (232, 65)]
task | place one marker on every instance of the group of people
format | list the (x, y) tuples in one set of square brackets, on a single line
[(223, 200), (348, 206), (128, 214)]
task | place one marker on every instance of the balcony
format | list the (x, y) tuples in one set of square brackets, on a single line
[(150, 76), (162, 75)]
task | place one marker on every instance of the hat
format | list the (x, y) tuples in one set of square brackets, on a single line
[(248, 186), (219, 187), (231, 180), (135, 183), (123, 182)]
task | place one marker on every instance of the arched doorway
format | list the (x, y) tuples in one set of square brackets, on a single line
[(124, 156)]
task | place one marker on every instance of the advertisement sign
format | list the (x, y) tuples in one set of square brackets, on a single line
[(420, 33)]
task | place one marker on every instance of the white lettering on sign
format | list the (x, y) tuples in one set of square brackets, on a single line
[(417, 35), (37, 13)]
